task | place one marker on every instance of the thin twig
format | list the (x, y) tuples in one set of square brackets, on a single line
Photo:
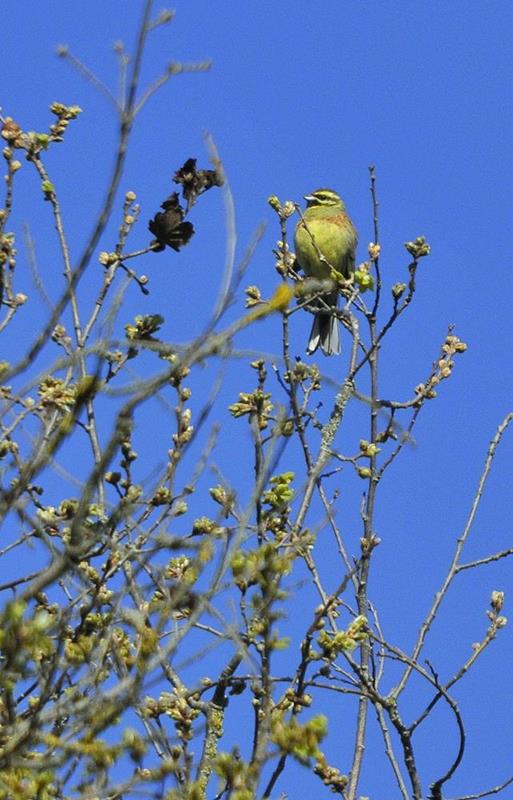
[(460, 544)]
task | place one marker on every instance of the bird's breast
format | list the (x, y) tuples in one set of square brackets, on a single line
[(334, 237)]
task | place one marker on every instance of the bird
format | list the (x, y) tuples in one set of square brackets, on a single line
[(325, 229)]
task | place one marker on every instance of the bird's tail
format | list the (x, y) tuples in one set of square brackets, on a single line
[(325, 332)]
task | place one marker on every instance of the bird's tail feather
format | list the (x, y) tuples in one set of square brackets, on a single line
[(326, 334), (325, 331)]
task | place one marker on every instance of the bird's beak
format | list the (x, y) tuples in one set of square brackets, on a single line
[(308, 197)]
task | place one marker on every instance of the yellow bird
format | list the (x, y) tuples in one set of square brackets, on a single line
[(326, 229)]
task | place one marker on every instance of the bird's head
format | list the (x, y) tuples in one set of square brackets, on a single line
[(324, 197)]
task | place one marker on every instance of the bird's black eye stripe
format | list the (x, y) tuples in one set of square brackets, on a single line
[(323, 197)]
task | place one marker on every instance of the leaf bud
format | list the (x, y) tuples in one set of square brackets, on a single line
[(497, 601), (398, 290)]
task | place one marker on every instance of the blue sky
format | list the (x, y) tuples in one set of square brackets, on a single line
[(302, 95)]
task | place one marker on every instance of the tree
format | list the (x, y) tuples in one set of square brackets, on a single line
[(152, 608)]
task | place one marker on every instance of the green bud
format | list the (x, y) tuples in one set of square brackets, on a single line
[(274, 203), (180, 508), (398, 290), (253, 296), (161, 497), (364, 279), (418, 248), (287, 427)]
